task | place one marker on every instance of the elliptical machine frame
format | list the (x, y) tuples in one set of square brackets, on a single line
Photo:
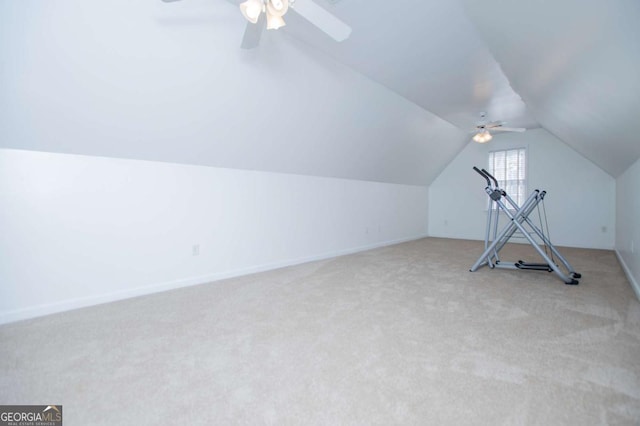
[(518, 221)]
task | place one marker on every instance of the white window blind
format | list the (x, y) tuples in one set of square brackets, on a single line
[(509, 167)]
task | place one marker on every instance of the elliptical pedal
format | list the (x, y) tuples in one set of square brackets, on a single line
[(533, 266)]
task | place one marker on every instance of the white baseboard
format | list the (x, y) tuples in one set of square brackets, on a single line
[(630, 277), (522, 240), (67, 305)]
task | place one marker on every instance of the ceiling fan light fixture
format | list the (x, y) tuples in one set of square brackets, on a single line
[(277, 7), (482, 137), (251, 10), (274, 21)]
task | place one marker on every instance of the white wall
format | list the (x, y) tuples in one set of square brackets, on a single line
[(628, 223), (580, 200), (80, 230)]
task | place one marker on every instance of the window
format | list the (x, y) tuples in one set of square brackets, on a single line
[(509, 167)]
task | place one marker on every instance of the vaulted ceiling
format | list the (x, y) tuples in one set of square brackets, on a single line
[(576, 64), (168, 82), (570, 66)]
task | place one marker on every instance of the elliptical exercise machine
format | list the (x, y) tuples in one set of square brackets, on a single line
[(518, 221)]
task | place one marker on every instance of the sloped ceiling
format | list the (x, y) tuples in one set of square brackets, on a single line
[(167, 82), (427, 51), (570, 66), (576, 65)]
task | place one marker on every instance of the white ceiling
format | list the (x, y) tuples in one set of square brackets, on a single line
[(428, 52), (157, 81), (570, 66), (161, 81)]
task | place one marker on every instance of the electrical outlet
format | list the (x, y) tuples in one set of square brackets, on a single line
[(195, 250)]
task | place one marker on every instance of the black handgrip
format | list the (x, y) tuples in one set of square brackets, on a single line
[(480, 172), (491, 176)]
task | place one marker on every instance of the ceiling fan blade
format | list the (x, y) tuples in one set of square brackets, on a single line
[(508, 129), (253, 33), (494, 124), (322, 19)]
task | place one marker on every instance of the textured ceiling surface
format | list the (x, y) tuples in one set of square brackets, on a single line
[(168, 82), (570, 66), (576, 64), (158, 81)]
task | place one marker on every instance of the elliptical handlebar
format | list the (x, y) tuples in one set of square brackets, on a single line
[(484, 174), (491, 176)]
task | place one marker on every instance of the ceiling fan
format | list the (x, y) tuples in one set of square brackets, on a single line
[(484, 128), (269, 14)]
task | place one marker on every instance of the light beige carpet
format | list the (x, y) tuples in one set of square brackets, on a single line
[(400, 335)]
